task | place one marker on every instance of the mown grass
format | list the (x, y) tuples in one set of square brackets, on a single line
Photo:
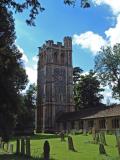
[(85, 150)]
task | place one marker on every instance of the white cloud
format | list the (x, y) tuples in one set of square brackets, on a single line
[(89, 40), (35, 58), (107, 94), (32, 74), (113, 4), (31, 69), (113, 34), (24, 56)]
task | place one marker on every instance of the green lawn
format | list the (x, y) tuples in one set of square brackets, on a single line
[(84, 149)]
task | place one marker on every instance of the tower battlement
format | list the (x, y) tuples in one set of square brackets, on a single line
[(67, 44)]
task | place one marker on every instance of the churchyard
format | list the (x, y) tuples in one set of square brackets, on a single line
[(84, 148)]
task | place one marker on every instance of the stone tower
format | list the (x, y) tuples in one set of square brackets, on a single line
[(55, 83)]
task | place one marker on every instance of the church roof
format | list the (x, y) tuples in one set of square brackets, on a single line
[(91, 113)]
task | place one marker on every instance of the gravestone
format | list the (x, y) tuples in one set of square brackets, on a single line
[(0, 142), (46, 151), (22, 146), (10, 148), (117, 134), (28, 147), (97, 138), (101, 149), (62, 136), (93, 134), (2, 145), (85, 131), (70, 144), (18, 146), (102, 138)]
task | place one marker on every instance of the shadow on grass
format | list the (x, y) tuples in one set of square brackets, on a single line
[(15, 157), (44, 136), (38, 136)]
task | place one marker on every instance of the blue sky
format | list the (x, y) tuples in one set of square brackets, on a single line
[(90, 29)]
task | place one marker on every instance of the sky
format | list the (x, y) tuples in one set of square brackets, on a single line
[(90, 29)]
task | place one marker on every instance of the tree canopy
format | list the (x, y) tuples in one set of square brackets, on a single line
[(76, 74), (87, 91), (107, 65), (26, 118), (13, 78)]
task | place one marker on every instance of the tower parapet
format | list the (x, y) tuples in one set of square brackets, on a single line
[(68, 42)]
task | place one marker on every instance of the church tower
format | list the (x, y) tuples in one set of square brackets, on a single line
[(55, 83)]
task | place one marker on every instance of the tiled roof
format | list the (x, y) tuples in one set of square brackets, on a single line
[(91, 113)]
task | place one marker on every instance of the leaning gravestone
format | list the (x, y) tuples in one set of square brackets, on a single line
[(70, 144), (46, 151)]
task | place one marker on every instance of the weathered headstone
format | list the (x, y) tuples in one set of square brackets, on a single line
[(22, 146), (10, 148), (101, 149), (46, 151), (18, 146), (28, 147), (70, 144)]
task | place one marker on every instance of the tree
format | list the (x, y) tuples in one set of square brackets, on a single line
[(107, 65), (13, 78), (88, 91), (27, 115), (84, 3), (76, 74), (76, 78), (35, 7)]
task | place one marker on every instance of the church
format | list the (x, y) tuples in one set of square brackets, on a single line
[(55, 104)]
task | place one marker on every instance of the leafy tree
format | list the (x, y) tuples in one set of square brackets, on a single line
[(107, 65), (13, 78), (88, 91), (76, 78), (76, 74), (34, 6), (27, 115), (84, 3)]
